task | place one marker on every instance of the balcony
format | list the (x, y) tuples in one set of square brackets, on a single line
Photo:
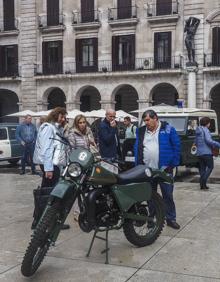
[(123, 16), (51, 23), (88, 20), (9, 27), (163, 13), (141, 65), (212, 62), (11, 72)]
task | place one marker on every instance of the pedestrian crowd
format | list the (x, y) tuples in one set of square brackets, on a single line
[(157, 145)]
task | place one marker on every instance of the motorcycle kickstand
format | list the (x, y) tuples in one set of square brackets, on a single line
[(106, 250)]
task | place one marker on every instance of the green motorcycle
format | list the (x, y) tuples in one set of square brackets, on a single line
[(107, 201)]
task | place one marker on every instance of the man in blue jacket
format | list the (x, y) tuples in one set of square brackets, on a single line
[(109, 144), (26, 134), (158, 145)]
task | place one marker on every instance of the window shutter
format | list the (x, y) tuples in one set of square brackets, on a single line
[(87, 10), (169, 38), (78, 46), (60, 56), (124, 9), (132, 58), (8, 12), (16, 60), (163, 7), (156, 40), (52, 12), (115, 43), (45, 57), (1, 62), (216, 46), (95, 53)]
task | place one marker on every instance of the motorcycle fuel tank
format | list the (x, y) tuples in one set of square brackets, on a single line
[(102, 175)]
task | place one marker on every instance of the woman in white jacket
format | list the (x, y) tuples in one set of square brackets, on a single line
[(49, 153)]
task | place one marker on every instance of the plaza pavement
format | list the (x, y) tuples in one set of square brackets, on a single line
[(189, 254)]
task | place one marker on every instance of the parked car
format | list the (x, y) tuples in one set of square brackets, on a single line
[(185, 121), (11, 149)]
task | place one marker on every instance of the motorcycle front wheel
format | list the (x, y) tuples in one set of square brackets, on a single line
[(145, 232), (40, 241)]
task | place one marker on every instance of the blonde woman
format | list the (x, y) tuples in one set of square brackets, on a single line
[(80, 136)]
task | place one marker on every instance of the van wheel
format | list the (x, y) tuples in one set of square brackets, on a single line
[(14, 162)]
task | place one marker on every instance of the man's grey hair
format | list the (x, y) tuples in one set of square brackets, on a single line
[(110, 111), (150, 113)]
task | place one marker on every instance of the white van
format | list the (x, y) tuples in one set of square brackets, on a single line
[(10, 148), (185, 121)]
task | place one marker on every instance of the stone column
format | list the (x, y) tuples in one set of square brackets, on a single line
[(28, 52), (107, 104), (70, 106), (42, 106), (191, 89), (142, 104)]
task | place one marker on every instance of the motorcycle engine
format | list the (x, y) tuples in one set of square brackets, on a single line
[(106, 212)]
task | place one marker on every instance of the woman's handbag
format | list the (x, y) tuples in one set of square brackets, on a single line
[(215, 151), (41, 196)]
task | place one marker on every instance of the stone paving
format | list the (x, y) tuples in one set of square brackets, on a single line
[(189, 254)]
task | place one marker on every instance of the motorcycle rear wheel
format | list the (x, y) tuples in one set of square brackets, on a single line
[(40, 241), (151, 229)]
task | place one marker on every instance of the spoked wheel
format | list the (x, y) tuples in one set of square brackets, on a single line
[(40, 241), (144, 232)]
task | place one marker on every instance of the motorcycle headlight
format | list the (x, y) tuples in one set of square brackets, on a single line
[(148, 172), (74, 170)]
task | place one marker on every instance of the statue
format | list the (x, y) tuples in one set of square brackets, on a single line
[(190, 28)]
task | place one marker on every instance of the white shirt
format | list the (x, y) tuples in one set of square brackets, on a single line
[(130, 131), (151, 148)]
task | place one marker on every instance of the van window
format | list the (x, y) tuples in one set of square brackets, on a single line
[(11, 133), (212, 127), (192, 124), (177, 122), (3, 134)]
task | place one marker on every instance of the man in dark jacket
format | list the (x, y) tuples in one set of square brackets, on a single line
[(26, 134), (109, 144), (158, 146)]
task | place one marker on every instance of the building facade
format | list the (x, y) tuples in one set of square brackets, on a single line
[(92, 54)]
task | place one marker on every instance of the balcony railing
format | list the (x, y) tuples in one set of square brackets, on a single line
[(45, 21), (162, 9), (212, 60), (12, 71), (120, 13), (104, 66), (88, 17), (8, 25)]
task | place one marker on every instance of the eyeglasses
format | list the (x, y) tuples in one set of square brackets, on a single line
[(112, 116)]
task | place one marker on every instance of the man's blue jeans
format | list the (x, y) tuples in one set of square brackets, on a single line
[(206, 165), (167, 193), (27, 156)]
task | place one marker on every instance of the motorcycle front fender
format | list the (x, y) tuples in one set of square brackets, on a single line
[(61, 188)]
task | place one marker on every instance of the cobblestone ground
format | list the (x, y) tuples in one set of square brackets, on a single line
[(189, 254)]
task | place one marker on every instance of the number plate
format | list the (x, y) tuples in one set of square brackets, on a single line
[(129, 159)]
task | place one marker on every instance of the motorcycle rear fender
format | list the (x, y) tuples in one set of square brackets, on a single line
[(61, 188), (129, 194)]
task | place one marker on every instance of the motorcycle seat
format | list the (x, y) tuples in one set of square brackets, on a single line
[(133, 175)]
